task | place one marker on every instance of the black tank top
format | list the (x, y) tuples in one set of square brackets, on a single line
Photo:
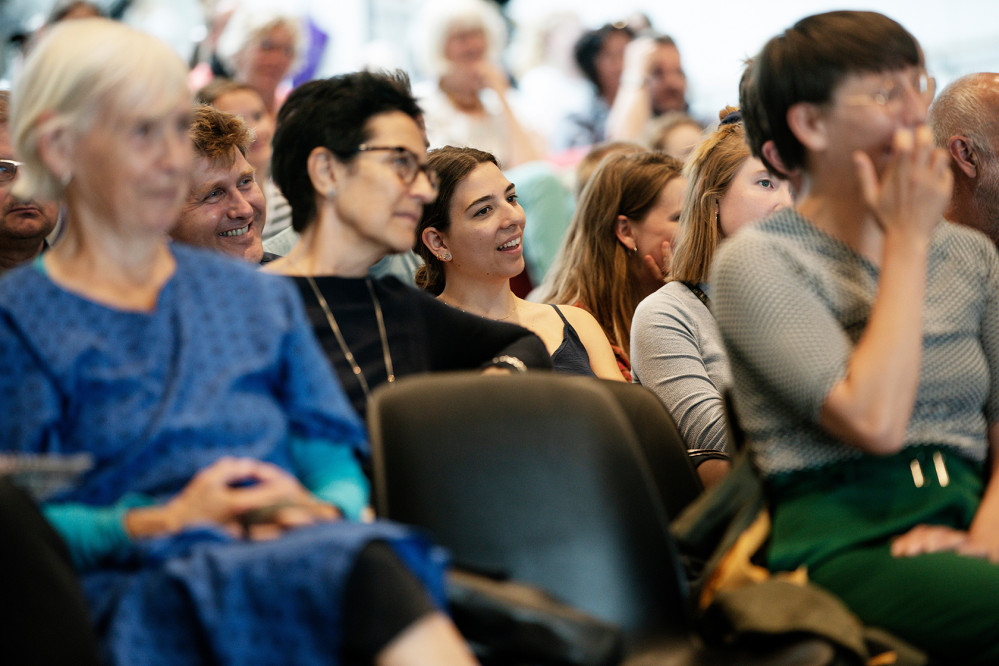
[(571, 357)]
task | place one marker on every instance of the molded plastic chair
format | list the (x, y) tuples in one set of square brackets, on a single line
[(540, 478), (537, 478), (673, 473)]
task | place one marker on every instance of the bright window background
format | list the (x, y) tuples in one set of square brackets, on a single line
[(959, 36)]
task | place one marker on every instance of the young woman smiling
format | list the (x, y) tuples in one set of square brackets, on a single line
[(470, 239)]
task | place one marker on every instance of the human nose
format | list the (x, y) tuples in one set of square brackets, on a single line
[(177, 151), (915, 105), (782, 198), (241, 208), (517, 217), (423, 188)]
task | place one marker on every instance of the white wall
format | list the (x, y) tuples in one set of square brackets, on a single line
[(959, 36)]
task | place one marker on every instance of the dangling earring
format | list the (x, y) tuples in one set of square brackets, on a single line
[(65, 179), (331, 192)]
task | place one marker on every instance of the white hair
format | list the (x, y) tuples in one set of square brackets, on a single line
[(441, 17), (80, 69), (247, 24)]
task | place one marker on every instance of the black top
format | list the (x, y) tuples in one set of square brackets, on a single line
[(424, 334), (571, 356)]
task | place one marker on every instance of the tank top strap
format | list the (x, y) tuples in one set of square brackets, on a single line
[(564, 320)]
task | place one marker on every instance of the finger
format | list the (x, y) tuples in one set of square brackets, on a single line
[(972, 549), (264, 532), (925, 144), (928, 539), (295, 516), (667, 250), (868, 178), (653, 267)]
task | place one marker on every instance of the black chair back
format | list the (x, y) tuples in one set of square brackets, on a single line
[(536, 477)]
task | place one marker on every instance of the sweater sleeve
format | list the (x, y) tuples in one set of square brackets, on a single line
[(332, 473), (93, 533), (459, 340), (667, 357)]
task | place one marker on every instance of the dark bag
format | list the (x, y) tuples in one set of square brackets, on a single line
[(510, 623)]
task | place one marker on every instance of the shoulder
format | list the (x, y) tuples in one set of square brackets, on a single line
[(20, 285), (964, 241), (669, 300), (221, 281), (586, 324)]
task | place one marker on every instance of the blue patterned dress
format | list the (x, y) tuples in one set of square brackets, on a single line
[(225, 365)]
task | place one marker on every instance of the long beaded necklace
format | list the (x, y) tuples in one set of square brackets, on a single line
[(343, 343)]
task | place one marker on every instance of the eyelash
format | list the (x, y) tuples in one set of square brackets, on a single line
[(511, 199)]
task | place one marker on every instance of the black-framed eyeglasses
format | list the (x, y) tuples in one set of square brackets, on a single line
[(406, 164), (8, 170)]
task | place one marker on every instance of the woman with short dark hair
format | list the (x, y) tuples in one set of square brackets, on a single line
[(350, 156), (863, 333)]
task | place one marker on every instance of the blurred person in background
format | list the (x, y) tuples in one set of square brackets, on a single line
[(24, 224), (600, 56), (259, 46), (468, 100)]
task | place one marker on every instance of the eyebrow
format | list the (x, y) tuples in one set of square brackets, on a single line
[(487, 197)]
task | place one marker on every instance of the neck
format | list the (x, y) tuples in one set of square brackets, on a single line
[(491, 299), (836, 206), (91, 242), (328, 247), (126, 273), (16, 251)]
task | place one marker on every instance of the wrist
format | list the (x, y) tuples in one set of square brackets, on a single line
[(151, 521)]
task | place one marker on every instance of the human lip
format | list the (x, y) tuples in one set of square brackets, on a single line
[(237, 232), (412, 217), (511, 245), (24, 209)]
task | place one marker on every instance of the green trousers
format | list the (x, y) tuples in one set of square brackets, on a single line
[(839, 522)]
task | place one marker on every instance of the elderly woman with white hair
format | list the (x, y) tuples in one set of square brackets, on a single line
[(468, 102), (259, 46), (214, 525)]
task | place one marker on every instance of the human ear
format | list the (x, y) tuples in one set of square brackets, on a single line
[(807, 123), (434, 241), (625, 233), (321, 166), (963, 155), (770, 154), (55, 149)]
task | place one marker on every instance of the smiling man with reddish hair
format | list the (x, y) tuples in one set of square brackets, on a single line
[(225, 209)]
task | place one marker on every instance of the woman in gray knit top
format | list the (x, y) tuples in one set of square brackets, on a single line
[(676, 348), (863, 337)]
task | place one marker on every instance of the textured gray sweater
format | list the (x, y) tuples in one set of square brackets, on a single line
[(791, 303)]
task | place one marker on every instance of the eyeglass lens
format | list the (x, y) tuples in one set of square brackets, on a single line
[(8, 171)]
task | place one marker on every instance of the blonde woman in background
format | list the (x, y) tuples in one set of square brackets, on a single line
[(617, 249), (676, 348)]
